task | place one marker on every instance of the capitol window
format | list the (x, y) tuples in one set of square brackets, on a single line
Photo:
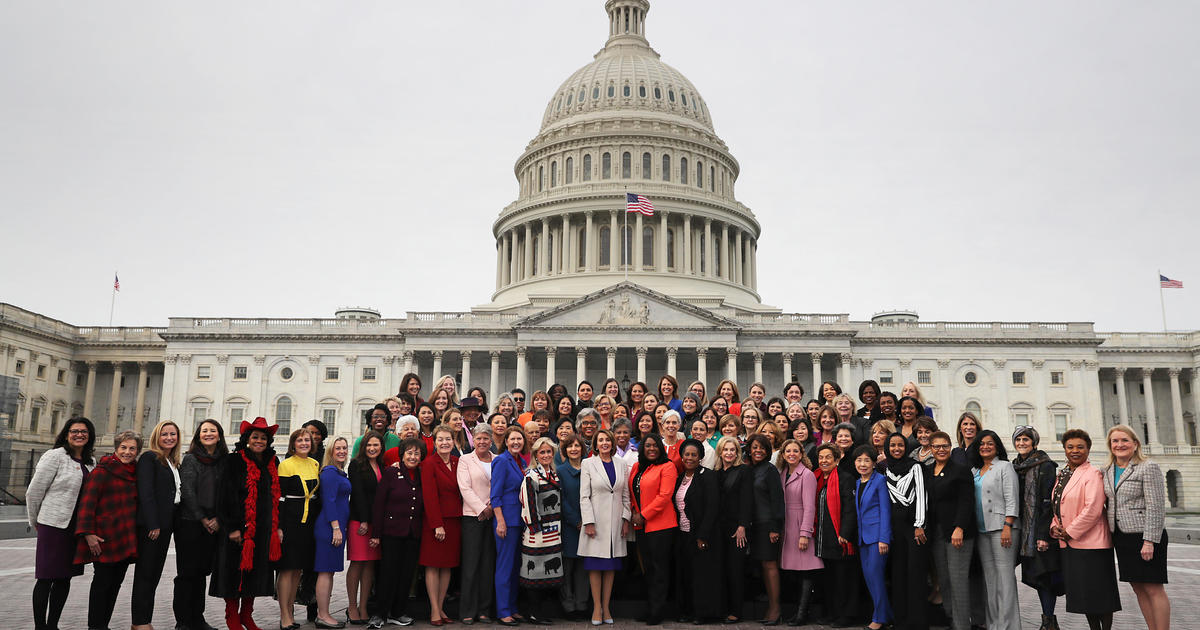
[(646, 166), (626, 245), (236, 415), (683, 170), (553, 174), (19, 369), (332, 374), (587, 168), (368, 375), (626, 165), (582, 262), (612, 91), (970, 378), (570, 99), (924, 377), (626, 91), (41, 372), (283, 415), (712, 178), (569, 171), (1056, 378), (671, 95), (666, 171), (605, 246), (682, 98), (329, 417), (647, 246), (582, 94), (658, 93), (286, 374), (541, 177), (642, 91), (203, 372), (671, 248), (1018, 378), (596, 92), (699, 174), (606, 166), (239, 372)]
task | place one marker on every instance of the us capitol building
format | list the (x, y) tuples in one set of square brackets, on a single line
[(580, 295)]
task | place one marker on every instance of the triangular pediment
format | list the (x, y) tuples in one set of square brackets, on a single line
[(627, 305)]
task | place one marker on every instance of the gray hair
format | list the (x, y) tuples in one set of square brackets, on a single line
[(481, 427), (583, 413), (128, 435), (410, 419), (622, 422)]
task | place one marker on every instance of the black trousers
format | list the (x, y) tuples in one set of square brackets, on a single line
[(695, 577), (106, 584), (195, 549), (841, 589), (656, 553), (733, 563), (397, 564), (910, 579), (152, 556), (478, 567)]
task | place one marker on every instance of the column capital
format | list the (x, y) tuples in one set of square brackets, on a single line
[(999, 363), (642, 351), (145, 365), (817, 356), (707, 221), (314, 359), (169, 359), (588, 213), (672, 351), (551, 351), (12, 350), (701, 351), (494, 354), (867, 363), (222, 359), (1038, 363), (185, 359), (1174, 373), (611, 351), (848, 358), (1146, 373), (788, 356), (581, 350), (1091, 365), (351, 359), (260, 359), (942, 363), (437, 354), (389, 359), (1077, 364), (1121, 371), (407, 354), (905, 363), (758, 356), (521, 350), (731, 351)]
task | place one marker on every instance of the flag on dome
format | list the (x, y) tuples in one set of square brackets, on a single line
[(1167, 283), (638, 203)]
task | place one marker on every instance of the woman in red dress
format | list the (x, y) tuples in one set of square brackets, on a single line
[(441, 542)]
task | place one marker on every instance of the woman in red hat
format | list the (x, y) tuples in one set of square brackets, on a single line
[(248, 510)]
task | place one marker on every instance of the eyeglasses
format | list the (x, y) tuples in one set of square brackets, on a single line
[(78, 432), (940, 447), (515, 399)]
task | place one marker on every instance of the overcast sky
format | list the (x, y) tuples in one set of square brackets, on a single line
[(1014, 160)]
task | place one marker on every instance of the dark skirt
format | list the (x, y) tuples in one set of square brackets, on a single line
[(1090, 577), (601, 564), (55, 559), (299, 547), (761, 547), (1129, 559)]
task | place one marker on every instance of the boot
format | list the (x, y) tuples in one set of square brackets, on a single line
[(231, 614), (801, 616), (247, 611), (1050, 622)]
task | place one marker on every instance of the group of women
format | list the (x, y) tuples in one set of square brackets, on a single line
[(859, 513)]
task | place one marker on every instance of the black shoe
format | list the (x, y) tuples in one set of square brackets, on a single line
[(329, 626), (772, 622), (514, 622), (653, 621), (842, 622), (538, 621)]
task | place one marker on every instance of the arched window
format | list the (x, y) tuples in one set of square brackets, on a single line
[(642, 91), (612, 91), (658, 93), (569, 171), (596, 92), (587, 168), (646, 166), (682, 99), (626, 165), (670, 248), (626, 245), (666, 168), (974, 408), (553, 174), (626, 92), (647, 246), (671, 95), (682, 170), (541, 177), (582, 94), (712, 178), (283, 414), (583, 245), (605, 247), (606, 166), (571, 99), (699, 174)]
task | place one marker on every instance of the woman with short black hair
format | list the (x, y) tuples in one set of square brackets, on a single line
[(767, 527), (651, 483)]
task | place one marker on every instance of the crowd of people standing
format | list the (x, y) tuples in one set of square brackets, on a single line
[(847, 512)]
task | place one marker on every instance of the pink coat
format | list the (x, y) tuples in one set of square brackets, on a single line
[(1083, 510), (474, 484), (800, 512)]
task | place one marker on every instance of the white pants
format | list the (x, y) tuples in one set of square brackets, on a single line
[(999, 573)]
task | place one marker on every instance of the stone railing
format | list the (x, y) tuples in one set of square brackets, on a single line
[(974, 328), (78, 334), (1182, 340)]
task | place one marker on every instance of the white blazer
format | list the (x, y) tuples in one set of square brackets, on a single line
[(605, 506), (54, 489)]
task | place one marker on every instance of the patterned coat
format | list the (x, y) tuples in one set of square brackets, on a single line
[(1138, 501), (108, 508), (541, 540)]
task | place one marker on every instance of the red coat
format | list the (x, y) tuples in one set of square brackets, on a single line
[(108, 509), (443, 508), (655, 501)]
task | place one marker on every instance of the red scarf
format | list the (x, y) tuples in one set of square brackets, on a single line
[(253, 474), (833, 498)]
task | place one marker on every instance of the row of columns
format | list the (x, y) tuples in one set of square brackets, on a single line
[(89, 392), (557, 255), (1146, 376)]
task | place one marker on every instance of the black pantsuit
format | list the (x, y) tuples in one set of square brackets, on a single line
[(736, 492), (397, 564), (152, 557), (842, 587), (656, 550), (478, 567), (106, 585), (157, 502), (910, 577), (696, 588), (195, 549)]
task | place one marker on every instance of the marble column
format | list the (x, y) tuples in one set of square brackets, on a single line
[(590, 244), (140, 399), (115, 401), (494, 376), (1122, 397), (437, 365), (671, 352), (724, 275), (736, 268), (522, 376), (499, 264), (660, 262), (845, 377), (568, 260), (731, 363), (614, 242), (687, 244), (544, 250), (758, 361), (641, 363), (787, 367), (514, 270), (702, 365), (708, 248), (1151, 412), (528, 250), (1177, 406), (408, 362), (551, 357), (89, 392), (816, 370), (754, 265), (610, 369), (580, 364), (465, 362)]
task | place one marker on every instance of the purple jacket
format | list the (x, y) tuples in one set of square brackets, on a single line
[(398, 505)]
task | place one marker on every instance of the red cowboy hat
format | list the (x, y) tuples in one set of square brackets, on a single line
[(259, 423)]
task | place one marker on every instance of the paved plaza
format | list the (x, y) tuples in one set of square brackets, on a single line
[(16, 584)]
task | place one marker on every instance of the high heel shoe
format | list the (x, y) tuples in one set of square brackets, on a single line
[(772, 622)]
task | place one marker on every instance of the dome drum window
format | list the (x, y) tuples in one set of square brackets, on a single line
[(612, 91), (587, 168), (606, 166), (596, 93), (626, 91), (671, 95), (657, 93), (642, 91)]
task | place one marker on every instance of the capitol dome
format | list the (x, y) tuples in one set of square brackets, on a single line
[(626, 123)]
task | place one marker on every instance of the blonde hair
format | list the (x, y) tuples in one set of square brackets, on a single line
[(888, 428), (165, 457), (920, 397), (842, 396), (704, 398), (329, 453), (726, 419), (537, 446), (1138, 457), (453, 391), (737, 448)]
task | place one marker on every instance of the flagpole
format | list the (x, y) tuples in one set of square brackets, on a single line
[(1162, 300), (113, 303)]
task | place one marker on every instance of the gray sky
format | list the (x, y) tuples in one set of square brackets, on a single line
[(1010, 160)]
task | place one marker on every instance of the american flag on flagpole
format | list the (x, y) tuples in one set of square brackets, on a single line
[(638, 203), (116, 282), (1167, 283)]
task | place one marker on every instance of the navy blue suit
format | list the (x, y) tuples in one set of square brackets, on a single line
[(507, 477), (874, 509)]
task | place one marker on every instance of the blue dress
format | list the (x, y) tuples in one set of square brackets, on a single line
[(335, 506)]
